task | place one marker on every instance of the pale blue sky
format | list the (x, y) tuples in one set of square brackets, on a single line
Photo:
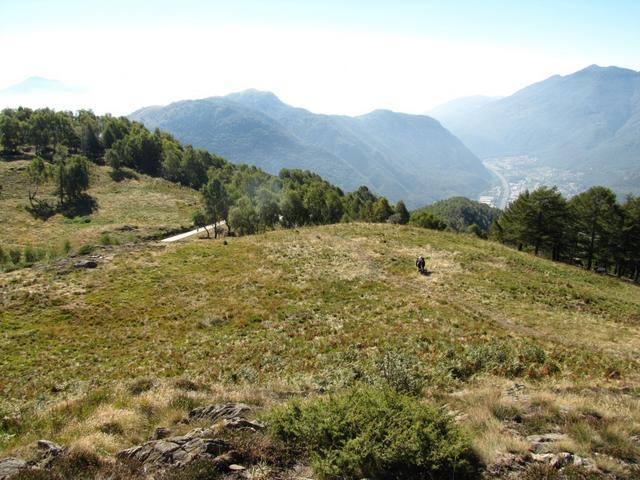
[(330, 56)]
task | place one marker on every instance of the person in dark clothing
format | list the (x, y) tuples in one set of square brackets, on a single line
[(421, 264)]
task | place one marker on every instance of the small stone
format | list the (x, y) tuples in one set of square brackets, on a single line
[(223, 461), (546, 438), (542, 457), (86, 264), (48, 446), (242, 424), (219, 412), (234, 467), (561, 459)]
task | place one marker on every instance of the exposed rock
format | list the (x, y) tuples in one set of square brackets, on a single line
[(556, 460), (505, 465), (543, 443), (178, 451), (218, 412), (86, 264), (242, 424), (10, 467), (516, 390), (49, 452), (50, 447), (585, 463)]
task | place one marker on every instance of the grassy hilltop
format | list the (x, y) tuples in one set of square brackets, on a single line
[(128, 210), (297, 312)]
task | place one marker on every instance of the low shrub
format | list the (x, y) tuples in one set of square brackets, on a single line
[(374, 433), (497, 358), (86, 249), (15, 255), (105, 239), (401, 371), (141, 385), (30, 255)]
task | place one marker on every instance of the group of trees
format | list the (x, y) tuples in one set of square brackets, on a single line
[(592, 228), (246, 198), (250, 200), (458, 214)]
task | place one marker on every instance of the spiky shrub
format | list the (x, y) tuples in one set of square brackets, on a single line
[(376, 434)]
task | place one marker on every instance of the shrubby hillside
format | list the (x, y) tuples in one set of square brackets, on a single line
[(460, 214), (496, 361)]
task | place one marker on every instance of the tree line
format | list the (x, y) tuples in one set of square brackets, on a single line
[(592, 229), (246, 198)]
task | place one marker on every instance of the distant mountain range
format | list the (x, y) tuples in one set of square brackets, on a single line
[(40, 85), (587, 123), (401, 156)]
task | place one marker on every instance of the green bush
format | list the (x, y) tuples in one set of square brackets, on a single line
[(495, 357), (15, 255), (105, 239), (30, 255), (376, 434), (86, 249), (401, 371), (66, 246)]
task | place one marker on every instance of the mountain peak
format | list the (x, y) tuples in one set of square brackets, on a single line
[(597, 69), (254, 97), (37, 84)]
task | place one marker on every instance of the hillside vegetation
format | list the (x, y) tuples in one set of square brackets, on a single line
[(461, 214), (128, 210), (511, 344)]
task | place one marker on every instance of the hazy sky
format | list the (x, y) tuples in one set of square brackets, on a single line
[(328, 56)]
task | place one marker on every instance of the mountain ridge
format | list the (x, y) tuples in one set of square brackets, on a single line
[(587, 122), (256, 127)]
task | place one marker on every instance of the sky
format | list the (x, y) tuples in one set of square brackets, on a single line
[(329, 56)]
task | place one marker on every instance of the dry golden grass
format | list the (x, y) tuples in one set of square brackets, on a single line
[(127, 210)]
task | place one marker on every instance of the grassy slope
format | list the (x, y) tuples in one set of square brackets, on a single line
[(286, 310), (145, 203)]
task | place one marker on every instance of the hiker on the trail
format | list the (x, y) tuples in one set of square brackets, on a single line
[(420, 263)]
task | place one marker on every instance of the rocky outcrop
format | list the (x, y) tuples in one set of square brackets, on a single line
[(215, 413), (178, 451), (165, 452), (48, 452), (11, 466)]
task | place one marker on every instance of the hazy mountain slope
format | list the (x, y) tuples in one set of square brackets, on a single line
[(243, 135), (587, 122), (400, 156), (459, 106)]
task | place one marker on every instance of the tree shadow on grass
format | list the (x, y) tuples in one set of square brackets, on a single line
[(122, 174), (41, 209), (85, 204)]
